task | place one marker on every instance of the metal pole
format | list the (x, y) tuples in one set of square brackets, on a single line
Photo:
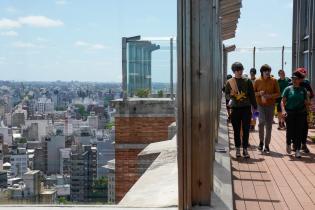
[(254, 57), (171, 70), (282, 58), (124, 67)]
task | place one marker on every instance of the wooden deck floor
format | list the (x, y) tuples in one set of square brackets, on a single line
[(273, 181)]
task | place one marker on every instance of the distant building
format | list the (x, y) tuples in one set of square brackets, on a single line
[(139, 65), (83, 172), (111, 180), (39, 161), (65, 162), (304, 37), (44, 105), (18, 119), (48, 196), (32, 183), (53, 145), (19, 160), (3, 179)]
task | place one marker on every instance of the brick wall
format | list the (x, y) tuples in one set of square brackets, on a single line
[(134, 130), (141, 130)]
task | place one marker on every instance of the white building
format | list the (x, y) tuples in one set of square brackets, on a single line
[(45, 105), (111, 180), (32, 183), (93, 120)]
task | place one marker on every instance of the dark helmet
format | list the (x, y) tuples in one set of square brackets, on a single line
[(237, 66)]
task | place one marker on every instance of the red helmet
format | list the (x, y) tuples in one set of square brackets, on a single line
[(302, 71)]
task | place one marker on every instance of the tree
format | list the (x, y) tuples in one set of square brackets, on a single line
[(143, 93), (160, 93)]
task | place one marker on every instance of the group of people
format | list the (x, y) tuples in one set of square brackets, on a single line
[(251, 98)]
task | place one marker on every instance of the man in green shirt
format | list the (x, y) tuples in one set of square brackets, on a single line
[(283, 82)]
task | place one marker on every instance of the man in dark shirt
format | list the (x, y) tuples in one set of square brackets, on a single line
[(241, 94), (306, 84)]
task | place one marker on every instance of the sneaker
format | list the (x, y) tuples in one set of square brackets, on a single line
[(297, 154), (279, 127), (238, 152), (267, 150), (245, 153), (305, 149), (260, 147), (289, 149)]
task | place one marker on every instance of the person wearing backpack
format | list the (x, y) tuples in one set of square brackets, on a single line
[(295, 104), (242, 97), (267, 91)]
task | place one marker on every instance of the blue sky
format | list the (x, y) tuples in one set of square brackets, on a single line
[(266, 23), (47, 40)]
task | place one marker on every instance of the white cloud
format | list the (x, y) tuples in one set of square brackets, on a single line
[(89, 46), (8, 24), (273, 35), (62, 2), (97, 47), (40, 21), (25, 45), (81, 44), (9, 33)]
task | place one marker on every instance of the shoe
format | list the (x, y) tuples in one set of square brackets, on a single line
[(245, 153), (305, 149), (238, 152), (267, 150), (260, 147), (297, 154), (279, 127), (289, 149), (252, 128)]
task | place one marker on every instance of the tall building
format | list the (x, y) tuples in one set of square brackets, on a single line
[(3, 179), (65, 162), (83, 172), (111, 180), (19, 161), (304, 37), (139, 65), (53, 145)]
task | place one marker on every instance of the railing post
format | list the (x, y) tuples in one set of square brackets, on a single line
[(254, 57)]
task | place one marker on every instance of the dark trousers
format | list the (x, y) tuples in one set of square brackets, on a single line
[(241, 117), (296, 128), (305, 132)]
